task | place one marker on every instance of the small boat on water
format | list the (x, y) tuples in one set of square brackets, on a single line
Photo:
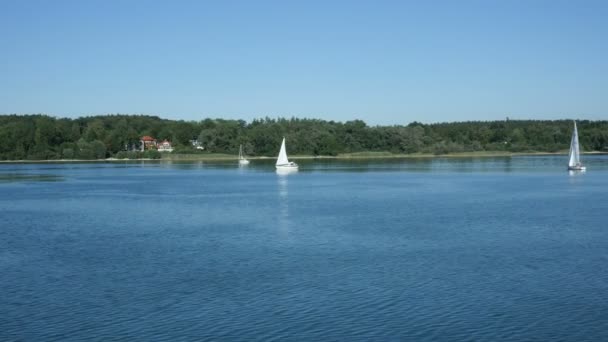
[(242, 159), (574, 163), (283, 164)]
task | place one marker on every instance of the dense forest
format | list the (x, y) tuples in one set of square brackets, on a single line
[(38, 137)]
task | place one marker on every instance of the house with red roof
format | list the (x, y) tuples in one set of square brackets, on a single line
[(147, 143)]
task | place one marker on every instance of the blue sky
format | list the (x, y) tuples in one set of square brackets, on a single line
[(386, 62)]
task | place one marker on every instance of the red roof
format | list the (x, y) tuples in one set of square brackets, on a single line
[(147, 138)]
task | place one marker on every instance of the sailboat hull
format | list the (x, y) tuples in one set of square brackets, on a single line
[(577, 168), (243, 162), (290, 166), (283, 171)]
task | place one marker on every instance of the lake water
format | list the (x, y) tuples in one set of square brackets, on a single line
[(432, 249)]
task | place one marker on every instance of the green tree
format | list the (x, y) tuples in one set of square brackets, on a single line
[(95, 131)]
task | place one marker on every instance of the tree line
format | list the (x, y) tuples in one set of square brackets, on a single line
[(40, 137)]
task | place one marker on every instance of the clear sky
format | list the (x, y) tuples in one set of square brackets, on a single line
[(386, 62)]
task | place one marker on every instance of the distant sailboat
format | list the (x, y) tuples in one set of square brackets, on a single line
[(242, 160), (574, 163), (282, 162)]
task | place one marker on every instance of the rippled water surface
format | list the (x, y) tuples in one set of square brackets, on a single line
[(432, 249)]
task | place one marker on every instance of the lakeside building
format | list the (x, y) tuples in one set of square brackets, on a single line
[(196, 144), (147, 143), (165, 146)]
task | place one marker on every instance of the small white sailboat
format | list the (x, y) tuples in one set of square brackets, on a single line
[(242, 159), (574, 163), (282, 162)]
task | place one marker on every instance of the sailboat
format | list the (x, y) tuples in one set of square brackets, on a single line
[(282, 162), (574, 163), (242, 160)]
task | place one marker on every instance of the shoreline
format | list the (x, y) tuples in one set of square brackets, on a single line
[(361, 155)]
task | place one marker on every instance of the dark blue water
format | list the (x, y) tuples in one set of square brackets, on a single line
[(443, 249)]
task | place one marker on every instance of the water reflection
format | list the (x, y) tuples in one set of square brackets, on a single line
[(531, 163), (23, 177), (576, 172), (470, 164), (575, 176), (243, 167), (284, 223), (414, 164)]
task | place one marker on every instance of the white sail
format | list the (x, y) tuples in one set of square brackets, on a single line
[(242, 160), (282, 159), (574, 149)]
